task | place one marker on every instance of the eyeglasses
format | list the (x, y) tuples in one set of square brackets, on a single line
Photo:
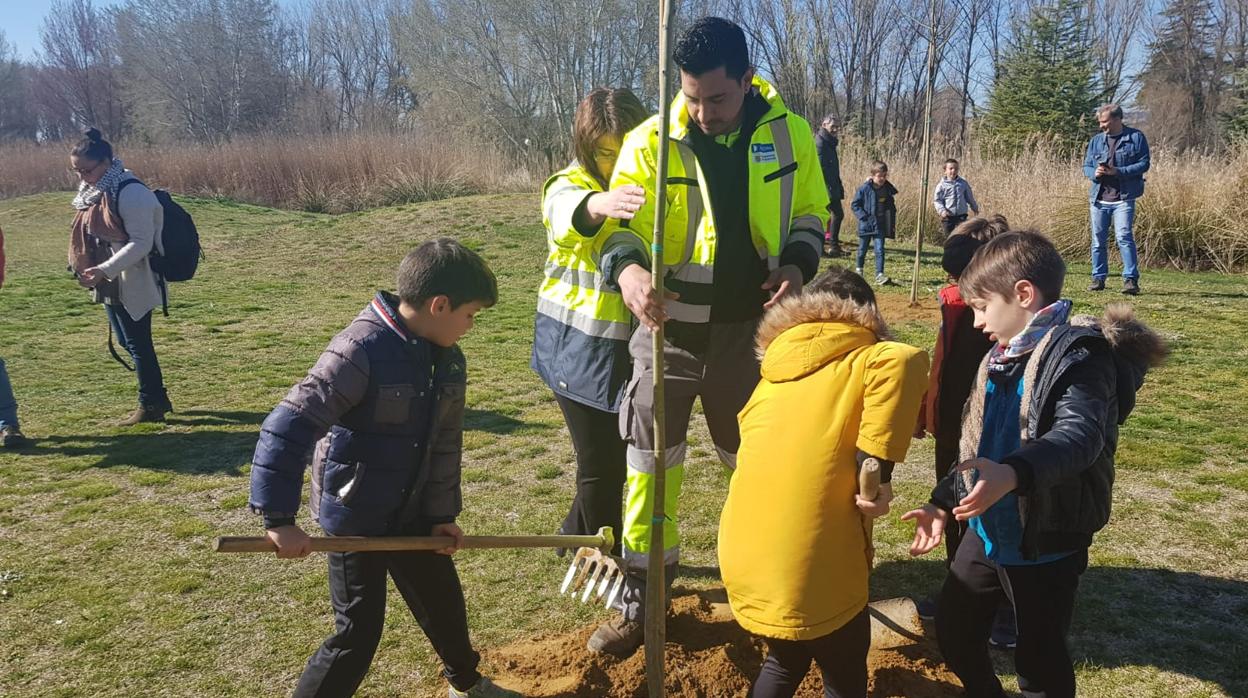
[(80, 171)]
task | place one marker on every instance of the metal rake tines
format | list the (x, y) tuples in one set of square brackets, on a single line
[(591, 568)]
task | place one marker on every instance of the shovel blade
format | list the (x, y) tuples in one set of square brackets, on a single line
[(894, 623)]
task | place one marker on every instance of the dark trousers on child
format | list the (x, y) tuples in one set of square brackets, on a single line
[(600, 470), (952, 222), (136, 337), (1044, 601), (357, 590), (947, 455), (841, 656)]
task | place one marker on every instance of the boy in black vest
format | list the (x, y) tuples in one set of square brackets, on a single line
[(1036, 464), (384, 408)]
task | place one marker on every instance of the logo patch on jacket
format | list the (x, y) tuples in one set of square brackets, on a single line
[(763, 152)]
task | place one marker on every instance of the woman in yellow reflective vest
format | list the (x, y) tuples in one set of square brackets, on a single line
[(580, 340)]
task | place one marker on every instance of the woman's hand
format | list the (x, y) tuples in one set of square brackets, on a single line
[(90, 278), (621, 202)]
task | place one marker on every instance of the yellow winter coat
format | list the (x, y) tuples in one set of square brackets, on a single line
[(791, 541)]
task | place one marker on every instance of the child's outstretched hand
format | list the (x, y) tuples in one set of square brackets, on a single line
[(929, 528), (449, 529), (875, 508), (291, 541), (995, 481)]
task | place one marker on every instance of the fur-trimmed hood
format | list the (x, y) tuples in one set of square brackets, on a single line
[(817, 328)]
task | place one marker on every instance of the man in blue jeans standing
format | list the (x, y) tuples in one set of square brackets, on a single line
[(1116, 161)]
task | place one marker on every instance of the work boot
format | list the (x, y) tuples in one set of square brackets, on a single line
[(619, 637), (483, 688), (1097, 285), (832, 249), (1131, 287), (144, 414), (13, 438)]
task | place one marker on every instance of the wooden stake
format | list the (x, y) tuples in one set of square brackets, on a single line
[(927, 156)]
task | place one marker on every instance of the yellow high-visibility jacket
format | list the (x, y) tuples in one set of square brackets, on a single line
[(580, 338), (791, 540), (788, 201)]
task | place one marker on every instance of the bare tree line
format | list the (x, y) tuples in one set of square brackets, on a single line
[(509, 72)]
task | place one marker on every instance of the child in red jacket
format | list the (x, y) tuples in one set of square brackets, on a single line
[(959, 349)]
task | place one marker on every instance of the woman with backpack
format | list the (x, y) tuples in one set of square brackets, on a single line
[(117, 227)]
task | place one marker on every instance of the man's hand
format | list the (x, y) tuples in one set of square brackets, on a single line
[(640, 297), (995, 481), (449, 529), (875, 508), (90, 278), (1104, 169), (291, 541), (784, 281), (929, 528), (621, 202)]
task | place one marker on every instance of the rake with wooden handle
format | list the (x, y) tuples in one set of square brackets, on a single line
[(894, 622), (603, 540), (869, 489)]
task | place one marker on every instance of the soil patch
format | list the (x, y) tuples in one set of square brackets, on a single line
[(895, 308), (708, 656)]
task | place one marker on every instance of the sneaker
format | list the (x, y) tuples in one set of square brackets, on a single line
[(881, 280), (927, 608), (619, 637), (144, 414), (483, 688), (859, 271), (1004, 630), (13, 438), (1097, 285), (1131, 287)]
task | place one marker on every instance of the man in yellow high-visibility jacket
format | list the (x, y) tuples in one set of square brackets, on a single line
[(746, 210)]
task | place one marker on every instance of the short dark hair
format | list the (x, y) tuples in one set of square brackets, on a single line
[(93, 146), (843, 283), (1019, 255), (712, 42), (951, 161), (445, 267), (878, 166)]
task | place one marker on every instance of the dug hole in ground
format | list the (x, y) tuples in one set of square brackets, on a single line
[(708, 656)]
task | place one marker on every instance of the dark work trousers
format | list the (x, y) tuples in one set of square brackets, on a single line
[(1044, 601), (952, 222), (357, 590), (136, 337), (600, 470), (946, 458), (841, 656), (837, 208)]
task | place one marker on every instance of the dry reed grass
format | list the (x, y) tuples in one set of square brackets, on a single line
[(1193, 215)]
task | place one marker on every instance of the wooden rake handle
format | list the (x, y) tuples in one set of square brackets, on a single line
[(869, 488), (603, 540)]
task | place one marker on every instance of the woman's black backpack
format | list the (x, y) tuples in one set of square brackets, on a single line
[(179, 238)]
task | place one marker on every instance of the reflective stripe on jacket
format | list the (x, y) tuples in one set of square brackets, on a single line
[(788, 200), (580, 337)]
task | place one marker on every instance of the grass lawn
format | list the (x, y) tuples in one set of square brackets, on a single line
[(109, 587)]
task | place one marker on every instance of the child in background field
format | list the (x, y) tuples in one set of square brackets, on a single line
[(875, 206), (953, 197), (959, 350), (835, 390), (384, 410), (1036, 463), (11, 436)]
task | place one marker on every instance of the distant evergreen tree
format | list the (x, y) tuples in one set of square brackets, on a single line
[(1045, 85)]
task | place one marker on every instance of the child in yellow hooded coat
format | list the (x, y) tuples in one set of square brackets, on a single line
[(792, 548)]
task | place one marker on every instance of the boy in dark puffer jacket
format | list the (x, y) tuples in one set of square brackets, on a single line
[(1036, 462), (384, 408)]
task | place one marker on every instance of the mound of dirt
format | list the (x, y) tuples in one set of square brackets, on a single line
[(708, 656)]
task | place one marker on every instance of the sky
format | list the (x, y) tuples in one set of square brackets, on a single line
[(21, 19)]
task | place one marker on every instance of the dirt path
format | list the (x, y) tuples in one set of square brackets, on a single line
[(708, 656)]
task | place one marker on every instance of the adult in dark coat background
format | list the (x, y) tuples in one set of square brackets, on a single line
[(825, 142)]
